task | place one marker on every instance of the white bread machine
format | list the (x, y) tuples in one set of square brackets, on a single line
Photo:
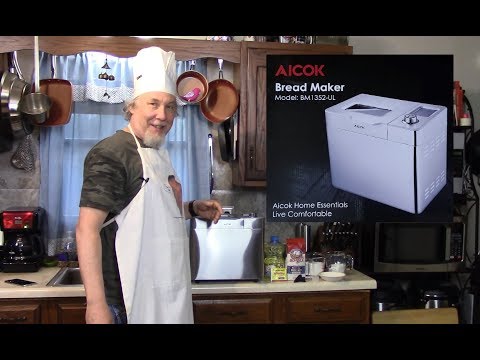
[(231, 249), (388, 150)]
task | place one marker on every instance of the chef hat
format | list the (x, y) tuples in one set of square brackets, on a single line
[(154, 69)]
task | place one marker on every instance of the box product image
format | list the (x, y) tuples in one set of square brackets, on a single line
[(388, 150)]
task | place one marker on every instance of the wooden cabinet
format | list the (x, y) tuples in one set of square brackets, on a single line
[(43, 311), (124, 46), (238, 309), (332, 307), (67, 310), (250, 168), (351, 307), (14, 311)]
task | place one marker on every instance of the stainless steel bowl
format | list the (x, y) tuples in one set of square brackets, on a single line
[(35, 107)]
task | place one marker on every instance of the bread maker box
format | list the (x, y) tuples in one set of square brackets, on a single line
[(388, 150)]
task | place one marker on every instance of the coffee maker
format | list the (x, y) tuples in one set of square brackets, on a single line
[(23, 231)]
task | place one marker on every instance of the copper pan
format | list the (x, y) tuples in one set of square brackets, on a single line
[(60, 93), (192, 86), (222, 99)]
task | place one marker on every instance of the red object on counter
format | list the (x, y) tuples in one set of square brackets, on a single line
[(458, 101), (18, 220)]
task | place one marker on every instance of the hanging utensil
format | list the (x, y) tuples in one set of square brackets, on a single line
[(225, 139), (20, 125), (6, 85), (35, 106), (24, 157), (61, 94), (222, 98), (192, 86), (210, 153)]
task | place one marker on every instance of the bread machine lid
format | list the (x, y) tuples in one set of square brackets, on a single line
[(228, 221), (372, 109)]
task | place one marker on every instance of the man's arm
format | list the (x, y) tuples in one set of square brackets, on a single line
[(89, 248)]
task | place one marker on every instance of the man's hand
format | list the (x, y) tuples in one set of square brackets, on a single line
[(208, 209)]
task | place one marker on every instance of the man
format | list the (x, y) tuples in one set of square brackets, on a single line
[(131, 235)]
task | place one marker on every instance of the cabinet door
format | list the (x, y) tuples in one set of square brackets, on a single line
[(330, 307), (234, 309), (20, 312), (67, 310), (250, 169)]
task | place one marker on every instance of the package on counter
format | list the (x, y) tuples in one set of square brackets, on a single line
[(278, 274), (295, 261)]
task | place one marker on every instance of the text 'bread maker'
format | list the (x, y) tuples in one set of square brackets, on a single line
[(388, 150)]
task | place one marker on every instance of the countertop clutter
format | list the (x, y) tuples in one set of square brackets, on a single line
[(354, 280), (38, 290)]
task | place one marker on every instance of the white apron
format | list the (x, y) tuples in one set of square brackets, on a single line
[(152, 248)]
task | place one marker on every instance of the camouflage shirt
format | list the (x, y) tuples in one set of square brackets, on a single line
[(112, 176)]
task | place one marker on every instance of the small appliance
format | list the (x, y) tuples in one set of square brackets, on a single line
[(419, 247), (231, 249), (388, 150), (23, 230)]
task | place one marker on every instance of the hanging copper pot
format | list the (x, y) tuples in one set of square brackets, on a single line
[(61, 94), (192, 86), (222, 98)]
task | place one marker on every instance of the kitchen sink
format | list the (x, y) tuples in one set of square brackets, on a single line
[(67, 277)]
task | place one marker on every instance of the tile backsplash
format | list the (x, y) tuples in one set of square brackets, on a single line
[(19, 187)]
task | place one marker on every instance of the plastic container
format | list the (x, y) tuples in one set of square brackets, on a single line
[(273, 256), (70, 246)]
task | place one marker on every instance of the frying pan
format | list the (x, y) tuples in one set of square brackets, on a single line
[(60, 93), (20, 124), (225, 139), (222, 98), (189, 82), (6, 85)]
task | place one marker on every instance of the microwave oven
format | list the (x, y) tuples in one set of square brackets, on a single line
[(419, 247)]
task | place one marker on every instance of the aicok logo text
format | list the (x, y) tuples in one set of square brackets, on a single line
[(300, 70)]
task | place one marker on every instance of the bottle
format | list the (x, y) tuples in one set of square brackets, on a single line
[(70, 246), (273, 256)]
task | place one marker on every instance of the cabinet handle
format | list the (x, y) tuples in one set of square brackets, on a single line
[(251, 158), (10, 320), (233, 313), (324, 310)]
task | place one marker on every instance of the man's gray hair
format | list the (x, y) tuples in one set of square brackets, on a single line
[(126, 108)]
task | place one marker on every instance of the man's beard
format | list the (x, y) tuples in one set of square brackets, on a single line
[(154, 141)]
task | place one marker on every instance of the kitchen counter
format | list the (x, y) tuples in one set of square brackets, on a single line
[(354, 280), (40, 289)]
